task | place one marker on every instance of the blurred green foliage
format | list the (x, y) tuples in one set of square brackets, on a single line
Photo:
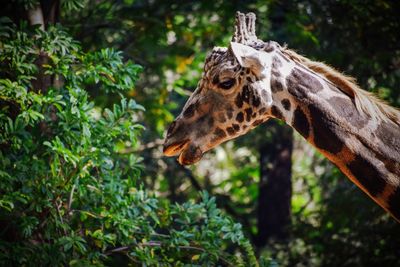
[(70, 193)]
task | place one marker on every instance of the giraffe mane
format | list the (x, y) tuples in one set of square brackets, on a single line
[(365, 101)]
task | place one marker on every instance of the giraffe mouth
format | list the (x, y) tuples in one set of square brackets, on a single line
[(174, 148), (188, 152)]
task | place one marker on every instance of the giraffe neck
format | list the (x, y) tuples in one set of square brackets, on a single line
[(365, 150)]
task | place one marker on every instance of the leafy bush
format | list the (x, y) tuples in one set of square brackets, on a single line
[(70, 193)]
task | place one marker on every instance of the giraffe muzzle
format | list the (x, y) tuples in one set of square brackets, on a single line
[(188, 152)]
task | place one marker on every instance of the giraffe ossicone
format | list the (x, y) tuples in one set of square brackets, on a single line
[(251, 81)]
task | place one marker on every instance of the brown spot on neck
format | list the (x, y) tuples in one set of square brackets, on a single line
[(276, 84), (367, 174), (300, 82), (286, 104), (239, 100), (219, 133), (301, 123), (346, 108), (248, 112), (240, 117), (389, 134), (326, 133), (256, 123), (275, 111), (262, 111), (387, 198), (276, 62), (231, 130)]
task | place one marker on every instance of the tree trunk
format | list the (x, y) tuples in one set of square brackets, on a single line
[(275, 188), (35, 17)]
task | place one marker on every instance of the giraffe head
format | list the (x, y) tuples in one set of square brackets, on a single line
[(232, 97)]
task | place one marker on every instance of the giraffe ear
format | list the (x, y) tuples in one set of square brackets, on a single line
[(248, 57), (259, 62)]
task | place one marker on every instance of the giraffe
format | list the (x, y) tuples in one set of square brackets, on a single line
[(252, 81)]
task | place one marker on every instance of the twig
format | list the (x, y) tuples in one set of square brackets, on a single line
[(71, 195), (117, 250), (54, 202), (155, 143), (59, 214), (150, 145), (71, 175), (310, 200)]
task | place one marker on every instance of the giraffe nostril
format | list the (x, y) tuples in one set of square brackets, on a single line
[(171, 128)]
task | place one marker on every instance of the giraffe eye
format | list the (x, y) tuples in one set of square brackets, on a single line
[(227, 84)]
